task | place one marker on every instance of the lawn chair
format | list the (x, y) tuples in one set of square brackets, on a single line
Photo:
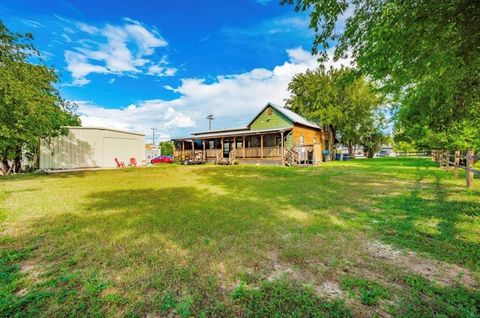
[(120, 164), (133, 162)]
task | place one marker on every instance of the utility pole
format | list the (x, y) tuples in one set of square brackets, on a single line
[(153, 137), (210, 118)]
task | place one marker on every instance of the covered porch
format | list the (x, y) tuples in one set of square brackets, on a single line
[(270, 145)]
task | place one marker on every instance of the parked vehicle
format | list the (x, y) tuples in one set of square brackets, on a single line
[(383, 153), (162, 159)]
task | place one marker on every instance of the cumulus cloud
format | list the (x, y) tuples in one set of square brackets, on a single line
[(161, 69), (116, 49), (233, 99)]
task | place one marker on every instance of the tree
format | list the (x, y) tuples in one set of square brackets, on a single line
[(166, 148), (30, 106), (345, 105), (372, 138), (424, 53)]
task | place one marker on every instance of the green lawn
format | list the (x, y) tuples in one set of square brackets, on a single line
[(383, 237)]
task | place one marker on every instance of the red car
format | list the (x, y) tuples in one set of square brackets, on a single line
[(162, 159)]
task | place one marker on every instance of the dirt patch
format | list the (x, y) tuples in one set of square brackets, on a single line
[(280, 269), (109, 291), (432, 270), (329, 289), (31, 269), (22, 292)]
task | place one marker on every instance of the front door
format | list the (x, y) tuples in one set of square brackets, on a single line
[(227, 147)]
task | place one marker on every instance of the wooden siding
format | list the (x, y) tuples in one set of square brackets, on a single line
[(310, 135), (274, 120)]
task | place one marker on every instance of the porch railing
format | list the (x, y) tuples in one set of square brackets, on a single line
[(212, 153), (238, 153), (256, 152)]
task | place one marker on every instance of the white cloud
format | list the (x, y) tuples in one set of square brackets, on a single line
[(78, 65), (115, 49), (264, 2), (233, 99)]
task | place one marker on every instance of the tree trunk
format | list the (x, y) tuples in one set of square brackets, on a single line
[(370, 153), (17, 161), (350, 149), (5, 166), (331, 141), (17, 165)]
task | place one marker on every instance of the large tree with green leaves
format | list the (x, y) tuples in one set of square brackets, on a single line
[(30, 106), (347, 106), (166, 148), (424, 53)]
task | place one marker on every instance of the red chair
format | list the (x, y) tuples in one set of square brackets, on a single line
[(133, 162), (120, 164)]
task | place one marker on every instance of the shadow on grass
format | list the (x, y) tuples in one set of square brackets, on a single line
[(427, 220), (164, 241), (177, 244), (415, 206)]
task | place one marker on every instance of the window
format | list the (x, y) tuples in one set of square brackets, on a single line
[(301, 140)]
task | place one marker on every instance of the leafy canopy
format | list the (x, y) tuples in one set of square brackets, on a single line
[(425, 54), (30, 105), (348, 104)]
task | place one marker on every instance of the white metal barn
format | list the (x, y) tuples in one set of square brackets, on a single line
[(91, 147)]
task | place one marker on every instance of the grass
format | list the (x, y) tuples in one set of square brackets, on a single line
[(216, 241)]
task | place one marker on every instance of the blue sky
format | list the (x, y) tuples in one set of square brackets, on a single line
[(167, 64)]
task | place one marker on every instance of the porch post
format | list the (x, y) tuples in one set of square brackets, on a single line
[(283, 148), (261, 146), (193, 151), (222, 145), (243, 144), (183, 150), (234, 147), (204, 155)]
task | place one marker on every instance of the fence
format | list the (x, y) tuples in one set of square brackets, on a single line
[(413, 154), (461, 160)]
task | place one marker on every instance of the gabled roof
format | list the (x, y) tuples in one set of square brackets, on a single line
[(294, 117)]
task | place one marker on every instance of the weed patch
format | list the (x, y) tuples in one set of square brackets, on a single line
[(425, 299), (367, 291), (285, 298)]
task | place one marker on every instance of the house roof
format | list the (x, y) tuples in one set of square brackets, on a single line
[(217, 131), (294, 117), (235, 132)]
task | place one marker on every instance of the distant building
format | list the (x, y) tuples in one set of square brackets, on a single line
[(91, 147), (152, 151)]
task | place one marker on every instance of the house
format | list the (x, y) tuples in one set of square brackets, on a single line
[(152, 151), (275, 135), (91, 147)]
